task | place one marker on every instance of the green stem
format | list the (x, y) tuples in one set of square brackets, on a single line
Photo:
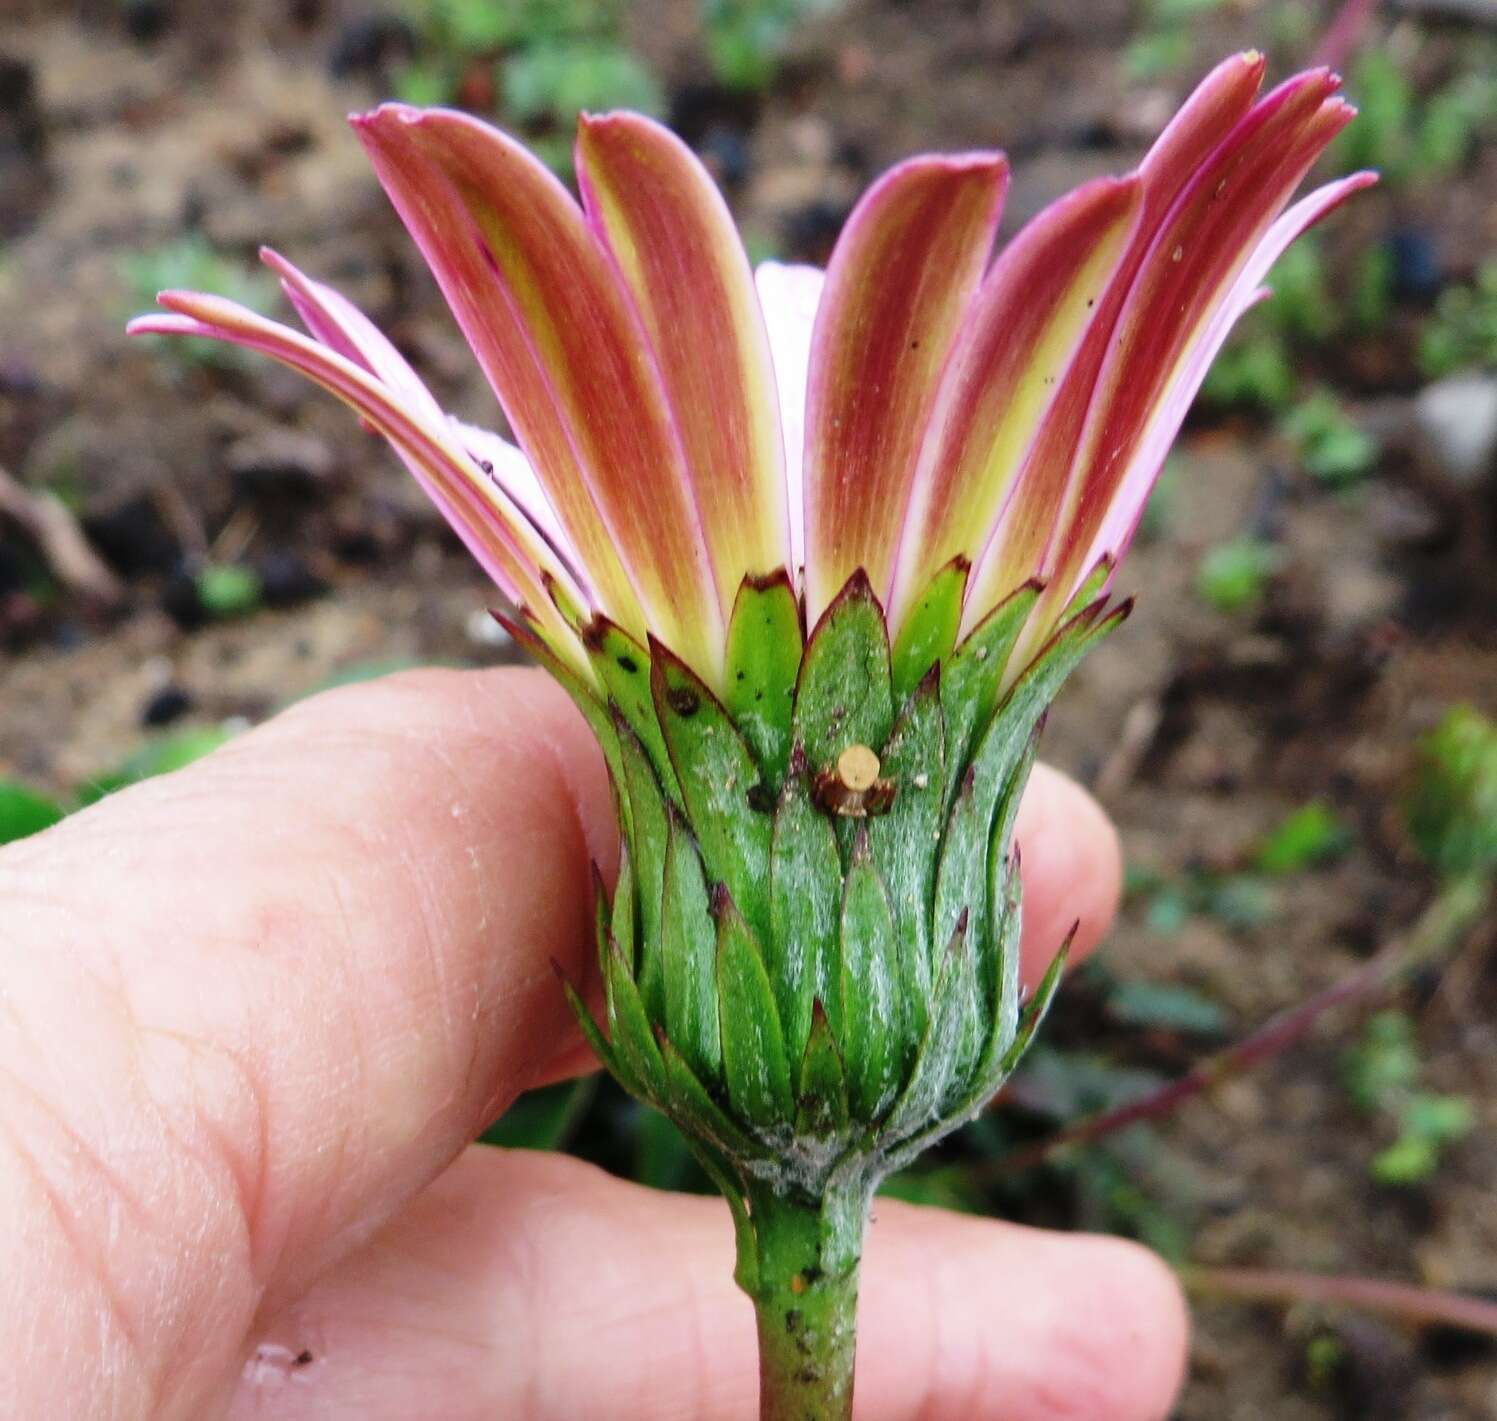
[(803, 1278)]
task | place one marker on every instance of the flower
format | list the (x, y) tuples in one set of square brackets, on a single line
[(813, 553), (687, 424)]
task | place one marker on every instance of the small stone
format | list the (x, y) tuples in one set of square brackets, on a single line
[(278, 462), (170, 703), (1458, 416), (484, 630)]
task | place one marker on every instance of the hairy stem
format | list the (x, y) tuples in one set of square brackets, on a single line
[(1424, 1306), (803, 1279)]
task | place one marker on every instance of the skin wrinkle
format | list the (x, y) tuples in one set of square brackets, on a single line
[(64, 1216)]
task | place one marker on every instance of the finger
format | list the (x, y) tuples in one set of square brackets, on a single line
[(535, 1288), (1071, 866), (252, 1008)]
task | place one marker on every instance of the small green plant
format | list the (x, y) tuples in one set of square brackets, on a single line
[(1381, 1073), (157, 757), (1331, 447), (544, 60), (1239, 901), (189, 262), (1462, 332), (1313, 834), (1257, 369), (1408, 137), (746, 39), (23, 811), (1233, 576), (227, 590), (1451, 809), (1165, 42), (1252, 372)]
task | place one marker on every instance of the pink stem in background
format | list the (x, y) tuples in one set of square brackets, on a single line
[(1423, 1306), (1441, 927), (1344, 37)]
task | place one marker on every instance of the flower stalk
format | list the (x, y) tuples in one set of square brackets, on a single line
[(805, 1307)]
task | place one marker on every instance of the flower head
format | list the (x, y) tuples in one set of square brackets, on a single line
[(813, 552)]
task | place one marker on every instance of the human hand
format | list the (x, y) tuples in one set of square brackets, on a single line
[(253, 1013)]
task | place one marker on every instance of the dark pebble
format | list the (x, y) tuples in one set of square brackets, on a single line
[(285, 579), (1418, 272), (133, 537), (370, 43), (810, 231), (168, 704), (725, 151), (146, 21), (179, 600)]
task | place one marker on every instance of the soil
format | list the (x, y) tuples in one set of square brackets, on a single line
[(122, 127)]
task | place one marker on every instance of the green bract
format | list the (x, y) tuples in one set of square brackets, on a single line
[(815, 979)]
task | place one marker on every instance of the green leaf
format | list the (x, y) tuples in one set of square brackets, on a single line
[(918, 1104), (970, 681), (544, 1119), (1311, 834), (24, 812), (1163, 1004), (726, 802), (1233, 576), (821, 1107), (623, 666), (1451, 808), (1038, 1007), (689, 955), (876, 1040), (764, 652), (584, 696), (602, 917), (624, 920), (930, 630), (637, 1061), (903, 841), (1005, 929), (755, 1066), (647, 846), (595, 1038), (227, 590), (844, 695), (805, 899), (696, 1112)]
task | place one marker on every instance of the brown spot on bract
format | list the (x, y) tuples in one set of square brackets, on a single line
[(683, 700)]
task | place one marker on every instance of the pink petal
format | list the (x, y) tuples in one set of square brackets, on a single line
[(554, 331), (789, 296), (1019, 338), (1188, 275), (1247, 290), (489, 523), (338, 323), (900, 279), (672, 240), (1220, 143)]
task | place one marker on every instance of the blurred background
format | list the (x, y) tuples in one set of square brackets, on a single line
[(1292, 731)]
